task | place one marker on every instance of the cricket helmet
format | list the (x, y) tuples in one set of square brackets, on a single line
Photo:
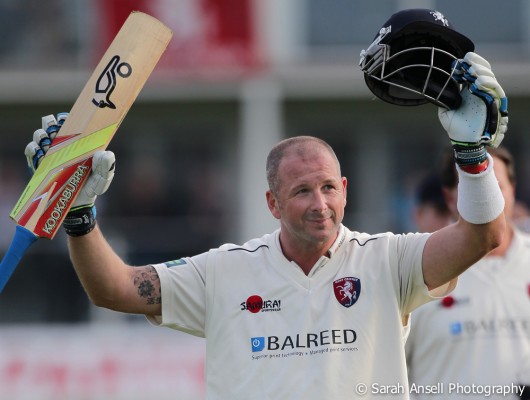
[(411, 60)]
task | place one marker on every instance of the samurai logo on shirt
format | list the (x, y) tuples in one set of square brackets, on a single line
[(256, 304), (347, 290)]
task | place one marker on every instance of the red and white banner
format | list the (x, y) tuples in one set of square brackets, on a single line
[(110, 362), (209, 36)]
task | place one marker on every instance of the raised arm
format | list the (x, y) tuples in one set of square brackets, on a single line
[(108, 281), (480, 121), (111, 283), (451, 250)]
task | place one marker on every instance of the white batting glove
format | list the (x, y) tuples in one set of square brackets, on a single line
[(99, 180), (482, 118), (81, 218), (42, 140)]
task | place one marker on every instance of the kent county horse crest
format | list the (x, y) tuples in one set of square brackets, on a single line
[(347, 290)]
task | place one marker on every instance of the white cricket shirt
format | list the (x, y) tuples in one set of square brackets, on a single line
[(274, 333), (479, 334)]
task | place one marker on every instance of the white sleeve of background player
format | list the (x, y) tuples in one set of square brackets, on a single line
[(182, 285), (413, 291)]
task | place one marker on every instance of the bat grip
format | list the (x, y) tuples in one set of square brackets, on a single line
[(21, 242)]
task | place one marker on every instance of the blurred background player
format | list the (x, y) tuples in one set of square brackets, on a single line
[(430, 211), (521, 215), (479, 333)]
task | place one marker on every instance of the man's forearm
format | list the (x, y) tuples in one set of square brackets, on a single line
[(100, 270)]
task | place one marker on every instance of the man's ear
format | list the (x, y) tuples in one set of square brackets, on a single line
[(273, 204), (344, 185)]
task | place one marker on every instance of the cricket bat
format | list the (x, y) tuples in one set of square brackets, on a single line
[(90, 126)]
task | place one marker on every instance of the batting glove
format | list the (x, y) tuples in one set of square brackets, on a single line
[(81, 218), (482, 118)]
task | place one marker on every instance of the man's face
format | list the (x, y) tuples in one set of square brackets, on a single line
[(311, 197)]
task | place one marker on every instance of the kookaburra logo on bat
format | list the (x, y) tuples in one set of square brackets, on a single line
[(106, 82)]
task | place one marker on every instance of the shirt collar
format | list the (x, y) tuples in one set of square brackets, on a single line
[(338, 242)]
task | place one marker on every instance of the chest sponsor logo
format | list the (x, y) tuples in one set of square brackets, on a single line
[(256, 304), (313, 340), (506, 327), (347, 290)]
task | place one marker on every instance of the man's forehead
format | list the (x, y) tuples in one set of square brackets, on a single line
[(310, 165), (307, 151)]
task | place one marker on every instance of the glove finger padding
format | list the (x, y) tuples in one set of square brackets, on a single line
[(52, 125), (474, 69), (471, 67), (99, 180), (42, 140), (34, 155), (479, 71), (489, 89), (482, 118), (490, 85), (474, 59)]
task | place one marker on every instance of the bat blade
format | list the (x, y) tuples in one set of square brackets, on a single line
[(92, 122)]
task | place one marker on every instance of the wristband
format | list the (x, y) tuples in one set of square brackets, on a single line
[(80, 221), (475, 168), (467, 155), (480, 199)]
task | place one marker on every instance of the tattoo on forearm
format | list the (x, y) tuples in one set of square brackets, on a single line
[(148, 284)]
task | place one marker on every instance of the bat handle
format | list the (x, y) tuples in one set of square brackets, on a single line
[(21, 242)]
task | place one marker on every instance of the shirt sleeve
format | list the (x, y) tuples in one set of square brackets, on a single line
[(412, 288), (183, 293)]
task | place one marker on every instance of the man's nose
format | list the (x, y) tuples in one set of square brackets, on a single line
[(319, 201)]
